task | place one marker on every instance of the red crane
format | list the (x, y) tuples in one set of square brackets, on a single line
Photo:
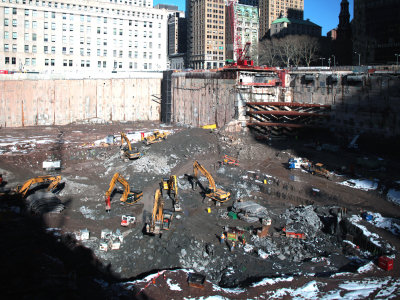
[(242, 59)]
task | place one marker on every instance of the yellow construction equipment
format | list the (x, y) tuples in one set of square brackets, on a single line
[(156, 137), (171, 186), (128, 151), (154, 227), (127, 196), (53, 182), (211, 192)]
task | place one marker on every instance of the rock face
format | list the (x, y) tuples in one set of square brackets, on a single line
[(302, 219)]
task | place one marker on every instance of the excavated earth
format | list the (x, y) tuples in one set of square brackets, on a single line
[(43, 257)]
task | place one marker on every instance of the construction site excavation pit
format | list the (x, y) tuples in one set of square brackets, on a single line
[(246, 221)]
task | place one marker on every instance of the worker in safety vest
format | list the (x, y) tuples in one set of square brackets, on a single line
[(222, 238)]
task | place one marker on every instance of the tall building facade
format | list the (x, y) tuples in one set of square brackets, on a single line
[(245, 27), (206, 33), (376, 31), (82, 36), (289, 26), (343, 46), (177, 33), (270, 10)]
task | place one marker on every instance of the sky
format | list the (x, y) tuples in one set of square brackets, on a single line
[(324, 13)]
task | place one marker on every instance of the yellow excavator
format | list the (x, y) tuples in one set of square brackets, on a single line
[(53, 182), (128, 151), (127, 197), (171, 186), (211, 192), (160, 218), (156, 137)]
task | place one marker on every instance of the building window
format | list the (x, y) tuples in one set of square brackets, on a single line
[(26, 48), (82, 51), (46, 25), (14, 48), (46, 49), (6, 22), (34, 49), (14, 22), (53, 50), (46, 38), (6, 48), (120, 53), (34, 24), (14, 10), (53, 26), (6, 35), (105, 52), (13, 60), (53, 38), (104, 64), (82, 63), (27, 61), (34, 36), (71, 50), (26, 24), (88, 63), (46, 14), (64, 50), (6, 10), (46, 62), (70, 63), (52, 62), (65, 63), (33, 61)]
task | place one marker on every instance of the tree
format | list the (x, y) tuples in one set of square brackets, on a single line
[(267, 53), (309, 47)]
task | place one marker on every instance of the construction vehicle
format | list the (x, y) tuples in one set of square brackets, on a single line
[(128, 152), (128, 196), (156, 137), (156, 223), (171, 186), (211, 192), (126, 220), (317, 169), (229, 160), (167, 218), (296, 163), (53, 182)]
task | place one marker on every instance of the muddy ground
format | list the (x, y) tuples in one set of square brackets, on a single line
[(88, 166)]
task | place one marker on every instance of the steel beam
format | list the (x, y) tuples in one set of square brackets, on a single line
[(285, 113), (270, 124), (290, 104)]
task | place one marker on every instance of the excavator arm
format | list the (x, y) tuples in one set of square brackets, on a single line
[(125, 138), (53, 180), (155, 225), (130, 153), (137, 195), (212, 192)]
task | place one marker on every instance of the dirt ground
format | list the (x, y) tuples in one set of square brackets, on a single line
[(87, 167)]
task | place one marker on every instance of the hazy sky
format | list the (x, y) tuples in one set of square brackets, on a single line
[(324, 13)]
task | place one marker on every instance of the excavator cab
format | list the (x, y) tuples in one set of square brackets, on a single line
[(127, 151), (134, 197), (53, 182)]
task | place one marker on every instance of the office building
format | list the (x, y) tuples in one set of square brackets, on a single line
[(290, 26), (206, 33), (177, 37), (270, 10), (376, 31), (82, 36), (244, 29)]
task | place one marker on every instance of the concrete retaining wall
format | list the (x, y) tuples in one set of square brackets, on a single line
[(202, 101), (60, 102)]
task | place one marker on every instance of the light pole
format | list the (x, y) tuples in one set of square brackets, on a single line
[(329, 62), (322, 61), (359, 58), (397, 59), (334, 60)]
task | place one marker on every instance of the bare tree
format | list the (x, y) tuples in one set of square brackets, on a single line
[(267, 53), (286, 50), (309, 47)]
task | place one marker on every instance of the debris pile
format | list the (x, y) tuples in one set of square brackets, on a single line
[(302, 219), (250, 211)]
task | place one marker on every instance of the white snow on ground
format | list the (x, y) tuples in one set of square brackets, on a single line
[(394, 196), (366, 268), (133, 137), (87, 212), (172, 286), (308, 291), (361, 289), (227, 290), (269, 281), (374, 238), (361, 184), (390, 224)]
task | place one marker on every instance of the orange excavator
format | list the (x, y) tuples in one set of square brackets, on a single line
[(128, 151), (127, 197), (160, 218), (211, 192), (53, 182), (171, 186), (156, 137)]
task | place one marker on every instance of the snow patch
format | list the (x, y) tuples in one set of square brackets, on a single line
[(270, 281), (394, 196), (361, 184)]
